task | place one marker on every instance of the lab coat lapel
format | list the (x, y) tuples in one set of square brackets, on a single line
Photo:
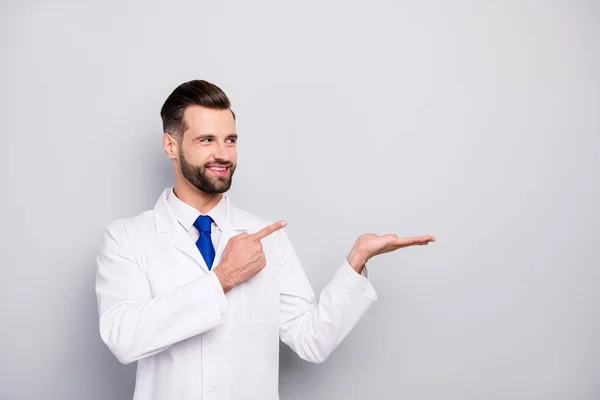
[(234, 225), (174, 234), (180, 240)]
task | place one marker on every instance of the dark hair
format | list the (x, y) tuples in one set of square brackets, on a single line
[(196, 92)]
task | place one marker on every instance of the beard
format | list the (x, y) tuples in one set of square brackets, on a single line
[(199, 177)]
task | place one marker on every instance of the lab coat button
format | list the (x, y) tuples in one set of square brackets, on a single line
[(211, 391)]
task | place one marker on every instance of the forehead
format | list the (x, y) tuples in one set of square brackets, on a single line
[(208, 121)]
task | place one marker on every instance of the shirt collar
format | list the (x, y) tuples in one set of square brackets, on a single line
[(186, 215)]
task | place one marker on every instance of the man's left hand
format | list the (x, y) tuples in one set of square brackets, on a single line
[(370, 245)]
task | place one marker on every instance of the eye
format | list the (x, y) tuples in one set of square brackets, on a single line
[(231, 140)]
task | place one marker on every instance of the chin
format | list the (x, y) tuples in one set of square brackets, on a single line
[(218, 189)]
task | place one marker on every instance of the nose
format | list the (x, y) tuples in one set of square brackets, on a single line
[(221, 152)]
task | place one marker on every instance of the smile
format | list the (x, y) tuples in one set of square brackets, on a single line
[(219, 170)]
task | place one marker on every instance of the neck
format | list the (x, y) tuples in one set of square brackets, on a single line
[(189, 194)]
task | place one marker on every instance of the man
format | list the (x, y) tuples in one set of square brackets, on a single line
[(199, 292)]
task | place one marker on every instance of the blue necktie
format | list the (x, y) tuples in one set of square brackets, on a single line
[(204, 242)]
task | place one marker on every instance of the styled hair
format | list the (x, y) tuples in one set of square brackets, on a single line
[(196, 92)]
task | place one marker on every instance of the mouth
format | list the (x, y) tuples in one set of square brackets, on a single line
[(218, 170)]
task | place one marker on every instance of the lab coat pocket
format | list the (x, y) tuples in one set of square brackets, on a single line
[(260, 298)]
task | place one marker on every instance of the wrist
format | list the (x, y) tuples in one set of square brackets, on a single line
[(357, 260), (224, 278)]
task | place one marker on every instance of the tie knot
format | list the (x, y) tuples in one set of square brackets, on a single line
[(202, 223)]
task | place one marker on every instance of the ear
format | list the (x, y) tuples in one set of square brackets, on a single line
[(170, 146)]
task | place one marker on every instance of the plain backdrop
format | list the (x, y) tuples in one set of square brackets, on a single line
[(476, 122)]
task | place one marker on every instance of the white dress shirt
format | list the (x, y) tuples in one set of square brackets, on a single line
[(186, 215), (161, 307)]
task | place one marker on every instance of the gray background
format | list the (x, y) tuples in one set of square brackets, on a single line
[(476, 123)]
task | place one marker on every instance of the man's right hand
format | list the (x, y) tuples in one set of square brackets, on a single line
[(243, 257)]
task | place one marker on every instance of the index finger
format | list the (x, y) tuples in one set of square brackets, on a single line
[(266, 231)]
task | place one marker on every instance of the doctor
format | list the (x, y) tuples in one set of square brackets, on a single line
[(199, 292)]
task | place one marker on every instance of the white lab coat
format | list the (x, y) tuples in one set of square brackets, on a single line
[(159, 305)]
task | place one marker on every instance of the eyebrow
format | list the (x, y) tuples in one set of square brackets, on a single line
[(212, 136)]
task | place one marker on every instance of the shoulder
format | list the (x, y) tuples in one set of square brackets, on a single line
[(249, 221), (252, 223), (245, 220), (124, 229)]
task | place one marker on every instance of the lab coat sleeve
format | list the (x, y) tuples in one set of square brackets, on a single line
[(133, 323), (314, 329)]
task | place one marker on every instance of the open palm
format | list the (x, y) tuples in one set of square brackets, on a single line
[(373, 244)]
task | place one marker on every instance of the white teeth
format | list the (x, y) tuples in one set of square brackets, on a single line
[(217, 169)]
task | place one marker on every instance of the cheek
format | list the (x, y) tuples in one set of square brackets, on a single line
[(232, 153), (196, 156)]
